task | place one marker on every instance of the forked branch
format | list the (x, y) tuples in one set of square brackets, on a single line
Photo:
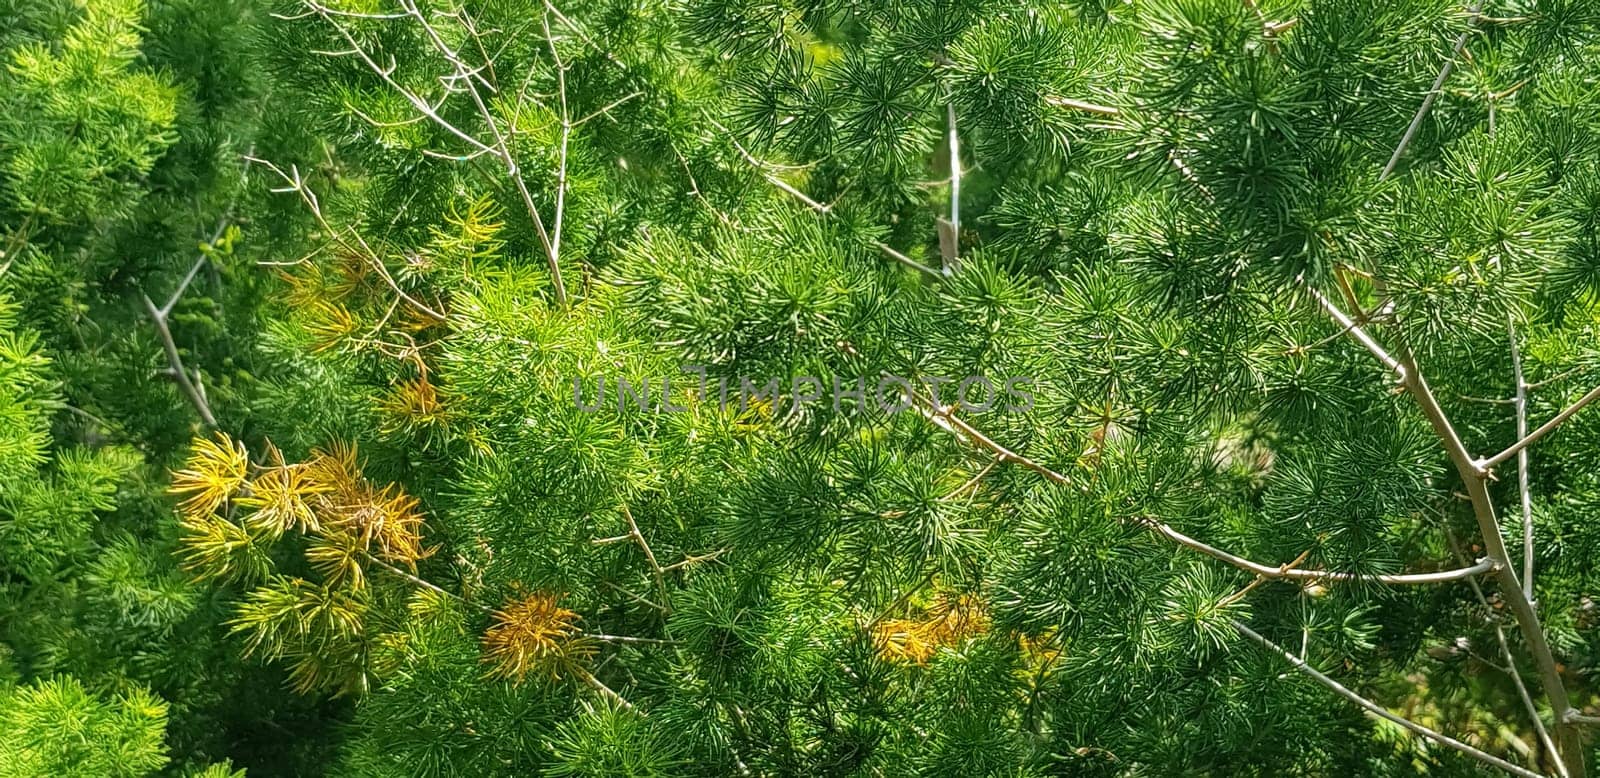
[(294, 182), (1474, 474), (1381, 712), (191, 387), (180, 374), (464, 78)]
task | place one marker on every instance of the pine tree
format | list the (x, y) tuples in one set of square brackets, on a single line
[(801, 387)]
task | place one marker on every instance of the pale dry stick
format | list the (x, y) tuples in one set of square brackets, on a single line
[(1082, 105), (1289, 573), (1257, 581), (823, 209), (424, 583), (1485, 400), (1511, 664), (387, 75), (1309, 347), (694, 559), (952, 251), (650, 556), (606, 109), (1555, 379), (1355, 330), (820, 208), (191, 388), (1533, 386), (787, 188), (1521, 405), (1260, 15), (179, 374), (1432, 97), (595, 683), (15, 243), (583, 36), (973, 481), (472, 29), (1381, 712), (435, 588), (566, 135), (1543, 430), (962, 429), (955, 424), (194, 269), (460, 15), (500, 149), (636, 598), (694, 191), (601, 636), (296, 183), (897, 256)]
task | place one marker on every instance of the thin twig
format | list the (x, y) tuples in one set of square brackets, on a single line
[(636, 598), (294, 182), (1557, 378), (689, 561), (387, 75), (15, 242), (179, 374), (944, 418), (1433, 95), (194, 269), (1082, 105), (787, 188), (601, 636), (650, 556), (1379, 711), (1267, 571), (594, 683), (424, 583), (192, 389), (952, 252), (1350, 326), (566, 135), (971, 482), (1543, 430), (606, 109), (501, 150), (945, 414), (821, 208), (1258, 580)]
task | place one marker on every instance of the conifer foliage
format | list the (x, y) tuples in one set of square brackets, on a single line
[(799, 387)]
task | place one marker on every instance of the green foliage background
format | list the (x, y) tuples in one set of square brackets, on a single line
[(359, 212)]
